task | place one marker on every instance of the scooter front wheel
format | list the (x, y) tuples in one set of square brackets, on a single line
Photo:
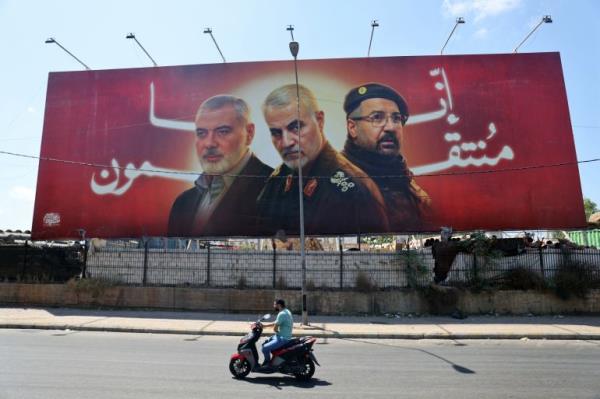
[(239, 368)]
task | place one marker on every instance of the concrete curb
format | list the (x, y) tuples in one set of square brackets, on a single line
[(415, 336)]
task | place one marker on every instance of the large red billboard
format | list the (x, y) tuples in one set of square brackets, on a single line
[(385, 145)]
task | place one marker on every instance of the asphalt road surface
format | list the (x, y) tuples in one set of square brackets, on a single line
[(68, 364)]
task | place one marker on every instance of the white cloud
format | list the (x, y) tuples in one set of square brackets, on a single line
[(481, 33), (31, 110), (480, 8), (22, 193)]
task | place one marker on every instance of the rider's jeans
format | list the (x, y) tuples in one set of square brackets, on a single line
[(275, 342)]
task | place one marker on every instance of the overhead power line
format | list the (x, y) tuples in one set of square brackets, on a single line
[(475, 172)]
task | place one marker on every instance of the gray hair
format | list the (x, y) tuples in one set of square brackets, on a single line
[(222, 100), (286, 95)]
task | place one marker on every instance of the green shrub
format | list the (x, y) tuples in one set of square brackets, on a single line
[(574, 279), (522, 279)]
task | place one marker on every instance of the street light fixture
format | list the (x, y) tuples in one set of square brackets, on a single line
[(209, 31), (374, 24), (459, 20), (546, 19), (132, 36), (53, 40)]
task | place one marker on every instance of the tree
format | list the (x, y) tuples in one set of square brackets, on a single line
[(590, 207)]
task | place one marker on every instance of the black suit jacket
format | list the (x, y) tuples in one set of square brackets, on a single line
[(235, 215)]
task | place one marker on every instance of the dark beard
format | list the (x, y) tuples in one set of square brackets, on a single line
[(388, 137)]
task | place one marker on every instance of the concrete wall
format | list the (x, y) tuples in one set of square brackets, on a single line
[(320, 302)]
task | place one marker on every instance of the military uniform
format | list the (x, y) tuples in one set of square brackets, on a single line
[(339, 198), (407, 204), (235, 214)]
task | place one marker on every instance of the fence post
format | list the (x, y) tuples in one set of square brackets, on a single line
[(341, 263), (85, 256), (24, 267), (410, 275), (541, 262), (208, 264), (274, 263), (475, 272), (145, 275)]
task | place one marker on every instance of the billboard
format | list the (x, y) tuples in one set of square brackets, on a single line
[(394, 144)]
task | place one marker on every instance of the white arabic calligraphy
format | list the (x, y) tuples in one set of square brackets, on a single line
[(168, 123), (454, 159), (131, 173)]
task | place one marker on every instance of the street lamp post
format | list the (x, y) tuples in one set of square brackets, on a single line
[(545, 19), (459, 20), (374, 24), (132, 36), (53, 40), (209, 31), (294, 47)]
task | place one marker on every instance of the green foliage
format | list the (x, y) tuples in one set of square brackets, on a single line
[(590, 207), (480, 245), (416, 271), (377, 240)]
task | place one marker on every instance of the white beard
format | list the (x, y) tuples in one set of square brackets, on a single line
[(224, 165)]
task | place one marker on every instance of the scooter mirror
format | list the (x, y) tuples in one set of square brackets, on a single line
[(266, 316)]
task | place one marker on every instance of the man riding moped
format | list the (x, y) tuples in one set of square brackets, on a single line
[(282, 326)]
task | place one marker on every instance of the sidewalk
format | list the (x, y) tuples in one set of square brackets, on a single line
[(400, 327)]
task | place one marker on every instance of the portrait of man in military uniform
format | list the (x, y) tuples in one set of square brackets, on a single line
[(376, 115), (223, 199), (338, 197)]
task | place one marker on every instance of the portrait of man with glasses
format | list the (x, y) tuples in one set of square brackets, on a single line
[(375, 119)]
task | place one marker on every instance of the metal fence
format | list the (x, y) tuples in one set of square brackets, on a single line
[(544, 262), (226, 268), (30, 263), (216, 267)]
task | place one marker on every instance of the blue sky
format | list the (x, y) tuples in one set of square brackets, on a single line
[(255, 31)]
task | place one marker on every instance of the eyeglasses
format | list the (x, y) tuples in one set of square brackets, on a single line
[(379, 118)]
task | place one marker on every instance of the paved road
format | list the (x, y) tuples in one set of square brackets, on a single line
[(68, 364)]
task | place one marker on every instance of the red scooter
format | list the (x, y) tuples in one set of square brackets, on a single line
[(294, 358)]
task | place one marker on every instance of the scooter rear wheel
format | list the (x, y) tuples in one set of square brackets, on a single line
[(308, 369), (239, 368)]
